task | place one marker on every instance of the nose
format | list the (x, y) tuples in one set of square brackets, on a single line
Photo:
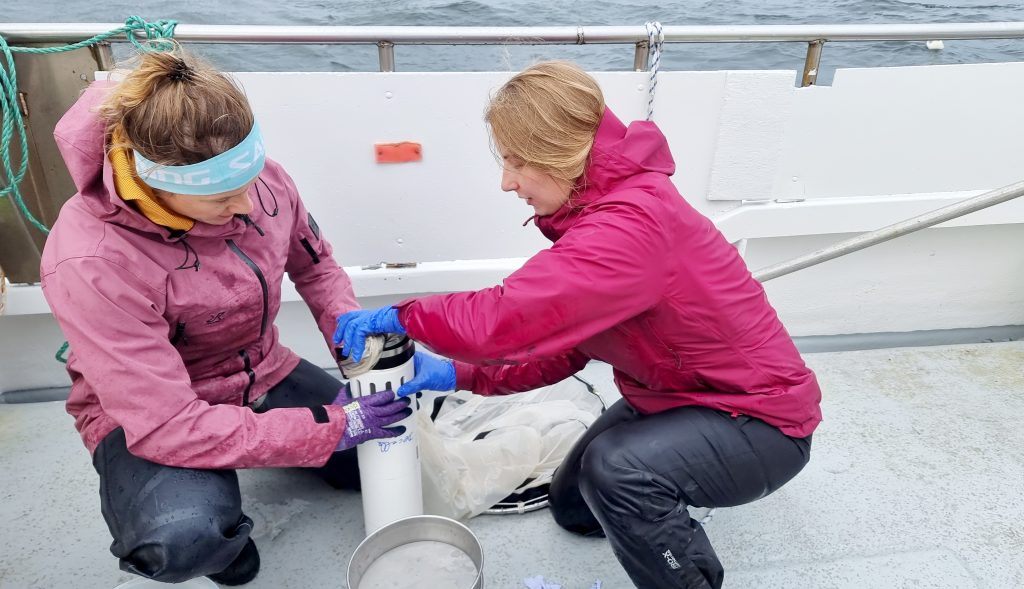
[(508, 181)]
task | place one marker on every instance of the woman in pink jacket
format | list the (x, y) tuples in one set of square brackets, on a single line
[(164, 272), (718, 407)]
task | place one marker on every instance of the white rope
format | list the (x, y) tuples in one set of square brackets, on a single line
[(371, 353), (655, 40)]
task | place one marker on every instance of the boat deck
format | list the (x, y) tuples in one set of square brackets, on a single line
[(916, 480)]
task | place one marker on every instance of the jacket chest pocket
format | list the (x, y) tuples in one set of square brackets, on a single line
[(227, 324), (636, 348), (624, 345)]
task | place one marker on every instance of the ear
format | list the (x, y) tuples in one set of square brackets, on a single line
[(161, 196)]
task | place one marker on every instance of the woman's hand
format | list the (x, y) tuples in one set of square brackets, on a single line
[(368, 417), (354, 326), (432, 373)]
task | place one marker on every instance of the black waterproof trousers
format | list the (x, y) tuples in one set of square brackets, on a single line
[(173, 524), (631, 477)]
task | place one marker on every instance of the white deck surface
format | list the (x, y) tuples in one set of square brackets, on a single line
[(916, 481)]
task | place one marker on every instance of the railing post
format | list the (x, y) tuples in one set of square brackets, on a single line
[(812, 62), (104, 56), (386, 55), (642, 56)]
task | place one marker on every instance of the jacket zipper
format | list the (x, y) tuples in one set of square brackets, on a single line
[(263, 321), (263, 282), (252, 377)]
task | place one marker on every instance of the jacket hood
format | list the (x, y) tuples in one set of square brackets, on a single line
[(619, 152), (81, 138)]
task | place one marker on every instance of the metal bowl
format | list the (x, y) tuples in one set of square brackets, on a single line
[(416, 529)]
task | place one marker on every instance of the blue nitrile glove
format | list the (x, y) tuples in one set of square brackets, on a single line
[(354, 326), (367, 417), (432, 374)]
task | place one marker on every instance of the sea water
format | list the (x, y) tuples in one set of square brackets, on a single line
[(421, 565), (700, 56)]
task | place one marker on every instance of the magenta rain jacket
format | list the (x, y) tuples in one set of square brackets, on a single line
[(636, 278), (172, 334)]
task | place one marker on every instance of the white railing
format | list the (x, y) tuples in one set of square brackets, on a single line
[(385, 38), (905, 227)]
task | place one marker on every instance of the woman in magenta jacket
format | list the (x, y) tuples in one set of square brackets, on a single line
[(164, 272), (718, 407)]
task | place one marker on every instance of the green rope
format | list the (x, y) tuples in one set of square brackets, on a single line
[(12, 119), (156, 33), (60, 356)]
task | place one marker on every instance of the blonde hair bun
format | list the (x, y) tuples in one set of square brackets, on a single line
[(176, 109)]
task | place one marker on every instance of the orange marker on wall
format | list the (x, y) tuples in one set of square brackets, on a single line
[(398, 153)]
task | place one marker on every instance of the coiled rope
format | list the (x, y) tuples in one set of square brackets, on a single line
[(157, 39), (13, 126)]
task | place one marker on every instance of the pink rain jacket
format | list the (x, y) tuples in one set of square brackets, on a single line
[(636, 278), (172, 334)]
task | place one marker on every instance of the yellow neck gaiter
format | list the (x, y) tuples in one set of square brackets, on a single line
[(133, 190)]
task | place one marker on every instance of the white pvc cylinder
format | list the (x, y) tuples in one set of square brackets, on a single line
[(389, 469)]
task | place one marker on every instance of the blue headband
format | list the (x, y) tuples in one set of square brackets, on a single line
[(227, 171)]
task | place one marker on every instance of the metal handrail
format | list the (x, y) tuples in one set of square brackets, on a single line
[(865, 240), (387, 37), (431, 35)]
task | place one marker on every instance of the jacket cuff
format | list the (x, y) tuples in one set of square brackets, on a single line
[(463, 376), (336, 422), (403, 314)]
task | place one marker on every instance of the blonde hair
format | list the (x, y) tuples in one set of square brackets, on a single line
[(176, 109), (546, 116)]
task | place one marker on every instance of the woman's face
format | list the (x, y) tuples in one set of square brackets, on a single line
[(214, 209), (541, 191)]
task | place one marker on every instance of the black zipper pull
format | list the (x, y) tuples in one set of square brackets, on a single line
[(250, 223)]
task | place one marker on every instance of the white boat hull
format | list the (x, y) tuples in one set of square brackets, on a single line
[(782, 170)]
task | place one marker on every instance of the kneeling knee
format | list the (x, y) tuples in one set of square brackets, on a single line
[(573, 515), (605, 471), (184, 552)]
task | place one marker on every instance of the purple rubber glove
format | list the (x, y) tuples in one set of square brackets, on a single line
[(354, 326), (368, 417), (432, 374)]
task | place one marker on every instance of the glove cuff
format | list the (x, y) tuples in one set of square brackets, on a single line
[(449, 381)]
